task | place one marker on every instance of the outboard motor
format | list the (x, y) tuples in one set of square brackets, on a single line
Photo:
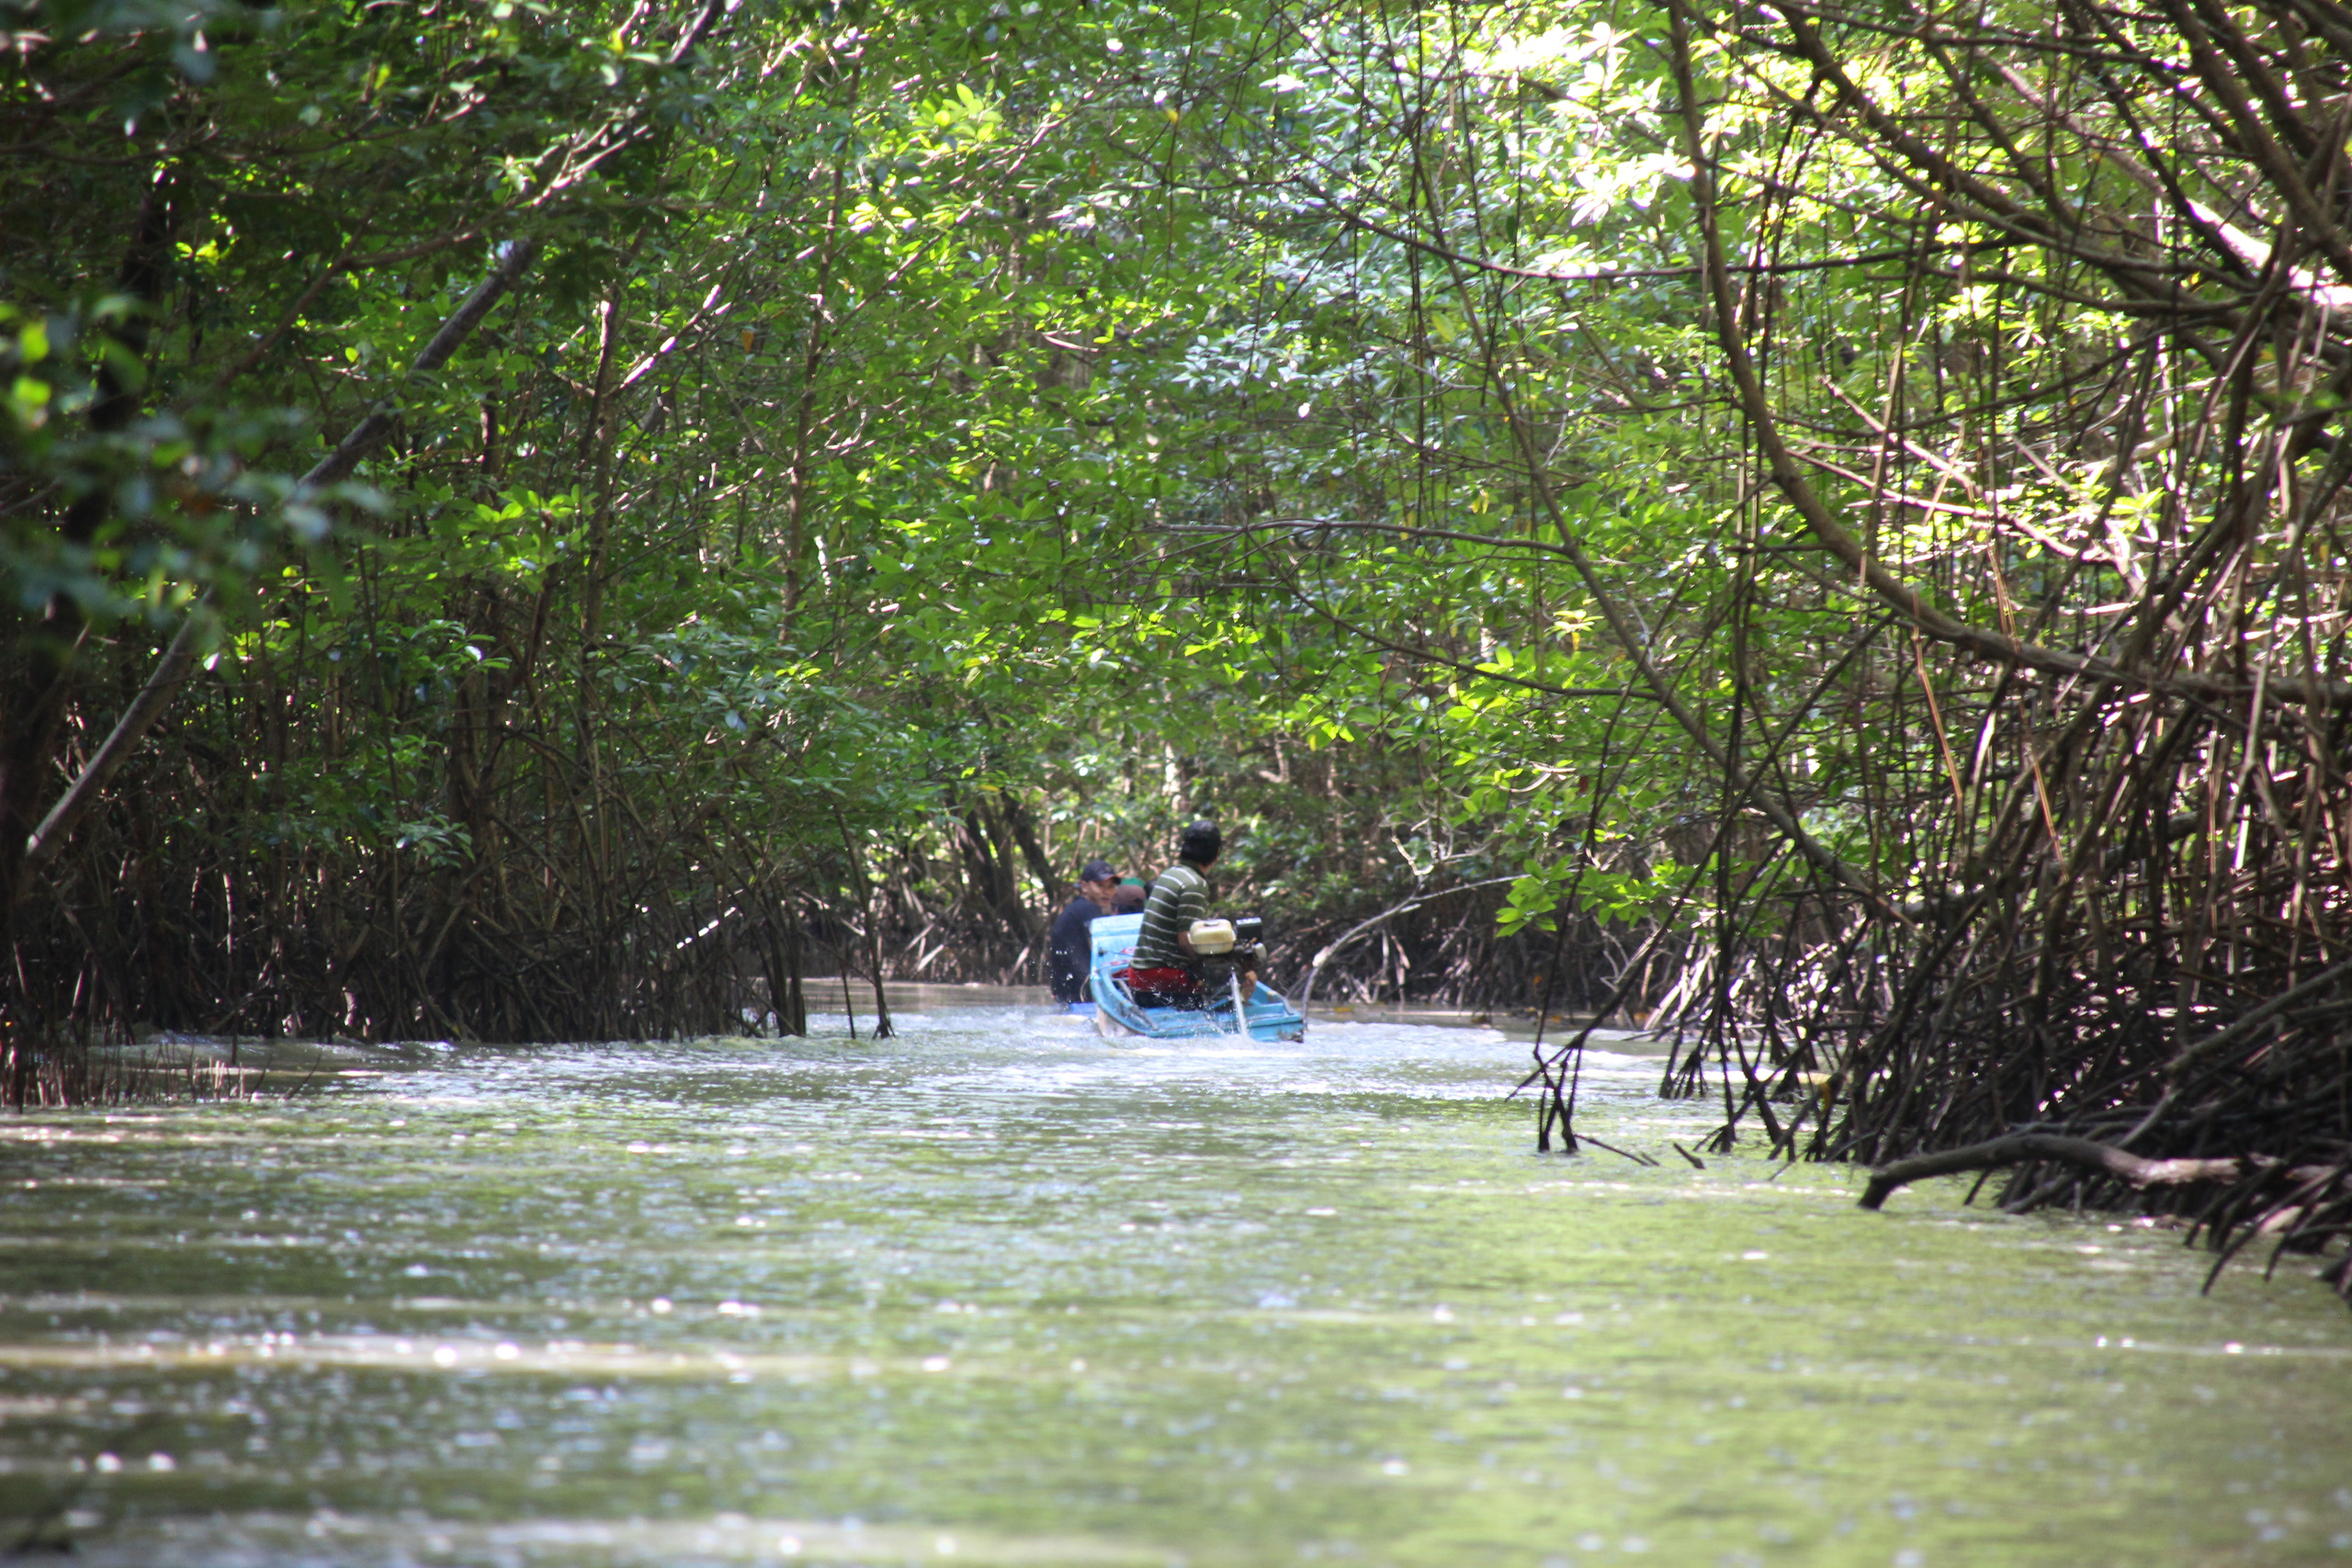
[(1249, 940), (1238, 941)]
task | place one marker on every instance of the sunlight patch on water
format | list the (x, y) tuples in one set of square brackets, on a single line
[(998, 1283), (278, 1540)]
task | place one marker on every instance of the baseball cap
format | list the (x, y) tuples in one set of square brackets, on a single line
[(1098, 871)]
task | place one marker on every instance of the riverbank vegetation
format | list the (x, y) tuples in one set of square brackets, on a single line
[(1815, 529)]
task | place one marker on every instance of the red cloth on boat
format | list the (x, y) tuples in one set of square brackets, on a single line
[(1159, 981)]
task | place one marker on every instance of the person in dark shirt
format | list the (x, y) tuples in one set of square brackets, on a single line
[(1072, 952)]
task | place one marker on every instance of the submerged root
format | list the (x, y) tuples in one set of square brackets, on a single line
[(64, 1076), (2103, 1158), (2304, 1205)]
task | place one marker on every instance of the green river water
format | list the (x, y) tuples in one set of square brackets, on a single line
[(995, 1292)]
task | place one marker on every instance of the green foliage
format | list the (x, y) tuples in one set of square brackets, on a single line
[(926, 421)]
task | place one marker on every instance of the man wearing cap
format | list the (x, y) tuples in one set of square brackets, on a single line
[(1072, 949)]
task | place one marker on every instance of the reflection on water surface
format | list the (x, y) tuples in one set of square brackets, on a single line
[(997, 1292)]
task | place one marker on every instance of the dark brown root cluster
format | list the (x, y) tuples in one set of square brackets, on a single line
[(2079, 904), (69, 1074), (2299, 1206)]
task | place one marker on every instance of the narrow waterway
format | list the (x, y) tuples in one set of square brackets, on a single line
[(997, 1292)]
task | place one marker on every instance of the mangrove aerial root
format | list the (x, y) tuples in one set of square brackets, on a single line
[(2302, 1206), (2104, 1159)]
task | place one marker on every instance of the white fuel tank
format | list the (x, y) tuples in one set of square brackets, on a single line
[(1211, 938)]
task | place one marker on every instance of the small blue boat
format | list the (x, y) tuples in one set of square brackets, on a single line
[(1266, 1015)]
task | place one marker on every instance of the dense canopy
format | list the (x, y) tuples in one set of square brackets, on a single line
[(1819, 527)]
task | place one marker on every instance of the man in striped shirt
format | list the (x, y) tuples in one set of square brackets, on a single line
[(1165, 972)]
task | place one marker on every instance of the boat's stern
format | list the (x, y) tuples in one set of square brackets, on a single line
[(1117, 1017)]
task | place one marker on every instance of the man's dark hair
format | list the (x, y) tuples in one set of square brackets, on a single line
[(1202, 844)]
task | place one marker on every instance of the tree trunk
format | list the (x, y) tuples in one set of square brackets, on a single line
[(33, 717)]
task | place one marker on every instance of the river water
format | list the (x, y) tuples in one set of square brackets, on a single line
[(995, 1292)]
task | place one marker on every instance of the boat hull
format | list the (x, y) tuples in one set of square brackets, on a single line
[(1118, 1016)]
